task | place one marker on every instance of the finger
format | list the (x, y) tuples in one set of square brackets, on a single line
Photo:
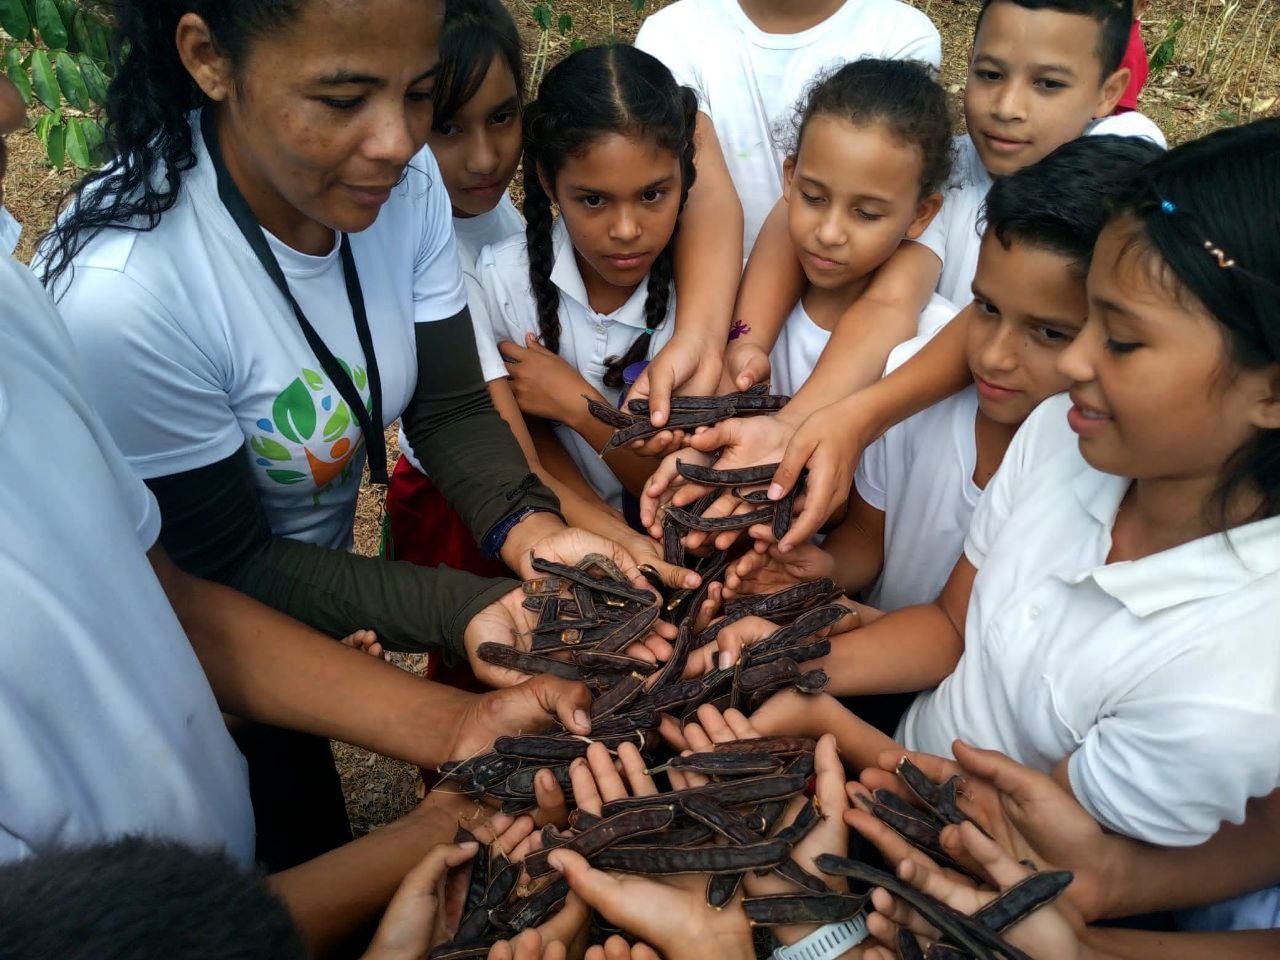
[(526, 946), (742, 727), (995, 861), (616, 948), (496, 824), (661, 382), (900, 914), (697, 738), (875, 779), (566, 923), (670, 730), (515, 834), (712, 721), (1022, 784), (547, 793), (601, 891), (608, 780), (634, 768), (892, 847), (595, 952), (642, 951), (674, 576), (567, 701), (586, 794)]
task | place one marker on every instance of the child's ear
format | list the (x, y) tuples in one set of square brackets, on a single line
[(926, 210), (788, 174), (1112, 90), (1266, 414)]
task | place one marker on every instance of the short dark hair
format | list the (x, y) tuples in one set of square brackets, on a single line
[(475, 33), (1113, 17), (903, 95), (1062, 202), (1207, 220), (140, 899)]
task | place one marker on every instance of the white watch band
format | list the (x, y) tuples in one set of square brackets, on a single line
[(826, 943)]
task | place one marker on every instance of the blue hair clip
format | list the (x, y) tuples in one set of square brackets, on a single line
[(1168, 206)]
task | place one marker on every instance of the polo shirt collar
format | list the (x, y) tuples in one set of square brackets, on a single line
[(567, 278), (1211, 566)]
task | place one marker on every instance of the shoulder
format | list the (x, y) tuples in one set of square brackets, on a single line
[(1042, 436), (1131, 123), (677, 16)]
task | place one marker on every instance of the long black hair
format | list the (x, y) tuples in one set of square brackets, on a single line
[(588, 95), (475, 33), (900, 95), (147, 130), (1208, 221)]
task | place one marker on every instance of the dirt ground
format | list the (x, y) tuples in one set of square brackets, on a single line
[(1223, 67)]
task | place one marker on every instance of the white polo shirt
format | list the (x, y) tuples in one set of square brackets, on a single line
[(920, 476), (748, 81), (109, 725), (954, 234), (801, 341), (587, 338), (1160, 677)]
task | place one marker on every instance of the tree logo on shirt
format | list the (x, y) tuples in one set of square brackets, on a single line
[(310, 434)]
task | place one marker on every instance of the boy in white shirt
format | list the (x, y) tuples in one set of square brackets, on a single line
[(750, 60), (917, 486)]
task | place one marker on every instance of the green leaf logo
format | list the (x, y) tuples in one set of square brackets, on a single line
[(337, 424), (314, 380), (294, 412), (286, 476), (271, 449), (360, 378)]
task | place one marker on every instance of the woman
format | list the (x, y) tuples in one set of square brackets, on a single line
[(262, 281)]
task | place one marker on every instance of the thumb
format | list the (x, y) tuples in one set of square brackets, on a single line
[(673, 576), (749, 368), (712, 438), (1004, 773), (596, 888), (566, 700), (793, 463)]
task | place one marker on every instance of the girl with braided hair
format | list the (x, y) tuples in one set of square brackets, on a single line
[(581, 297)]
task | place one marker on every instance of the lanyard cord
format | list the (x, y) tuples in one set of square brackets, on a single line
[(238, 207)]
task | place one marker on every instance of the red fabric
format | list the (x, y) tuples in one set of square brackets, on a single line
[(1135, 58)]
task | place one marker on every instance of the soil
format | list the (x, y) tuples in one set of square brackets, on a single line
[(1223, 67)]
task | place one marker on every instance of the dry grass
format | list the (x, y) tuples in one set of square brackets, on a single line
[(1225, 69)]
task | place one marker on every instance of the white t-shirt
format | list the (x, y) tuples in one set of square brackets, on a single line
[(954, 235), (920, 475), (1158, 676), (587, 338), (109, 724), (210, 357), (473, 234), (801, 341), (748, 81)]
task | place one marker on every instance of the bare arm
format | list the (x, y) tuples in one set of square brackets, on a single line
[(857, 545), (1104, 943)]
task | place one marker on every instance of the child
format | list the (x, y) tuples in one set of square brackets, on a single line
[(609, 140), (752, 61), (1041, 73), (917, 486), (1116, 602), (871, 155)]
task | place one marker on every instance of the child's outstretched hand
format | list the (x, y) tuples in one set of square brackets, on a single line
[(690, 364), (414, 921), (544, 383), (764, 569)]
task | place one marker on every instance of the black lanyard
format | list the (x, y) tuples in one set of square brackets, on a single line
[(238, 207)]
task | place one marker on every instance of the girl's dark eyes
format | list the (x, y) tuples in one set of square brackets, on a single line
[(591, 201), (1052, 335), (341, 103), (652, 196), (989, 75), (810, 198), (986, 308), (503, 118)]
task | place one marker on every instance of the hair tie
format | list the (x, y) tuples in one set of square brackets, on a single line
[(1223, 260), (650, 330), (1168, 206)]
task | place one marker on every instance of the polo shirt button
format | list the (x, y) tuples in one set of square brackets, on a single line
[(1033, 612)]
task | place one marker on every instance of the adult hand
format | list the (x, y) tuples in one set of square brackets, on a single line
[(668, 914), (647, 551), (544, 383), (414, 920), (524, 708), (690, 364), (569, 545), (1048, 932)]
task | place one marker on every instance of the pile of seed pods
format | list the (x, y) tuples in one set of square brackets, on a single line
[(687, 413)]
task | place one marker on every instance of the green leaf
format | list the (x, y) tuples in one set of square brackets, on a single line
[(78, 144), (286, 476), (43, 80), (637, 6), (95, 80), (71, 83), (92, 35), (294, 412), (95, 138), (18, 73), (314, 380), (337, 424), (576, 44), (542, 16), (1167, 49), (564, 24), (14, 20), (359, 378), (56, 146), (271, 449), (67, 10), (49, 23)]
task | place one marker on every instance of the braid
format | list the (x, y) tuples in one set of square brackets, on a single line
[(537, 232), (662, 273)]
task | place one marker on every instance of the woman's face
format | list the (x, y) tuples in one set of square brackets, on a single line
[(478, 148), (325, 113)]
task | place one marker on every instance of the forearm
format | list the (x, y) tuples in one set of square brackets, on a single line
[(772, 282), (910, 649), (459, 438), (265, 666), (577, 496), (858, 555), (328, 908), (887, 314), (1105, 943), (633, 469)]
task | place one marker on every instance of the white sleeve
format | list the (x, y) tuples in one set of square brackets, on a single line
[(870, 478), (1173, 761), (925, 45), (935, 234), (655, 38), (438, 289), (491, 364), (175, 416)]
